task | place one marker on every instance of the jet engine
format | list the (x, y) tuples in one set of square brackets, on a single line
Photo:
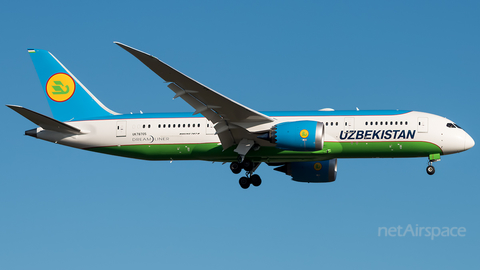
[(297, 136), (311, 171)]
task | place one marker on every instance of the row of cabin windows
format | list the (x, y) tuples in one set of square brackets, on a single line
[(177, 126), (326, 123), (391, 123), (173, 125), (376, 123)]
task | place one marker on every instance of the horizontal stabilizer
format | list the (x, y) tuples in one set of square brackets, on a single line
[(45, 122)]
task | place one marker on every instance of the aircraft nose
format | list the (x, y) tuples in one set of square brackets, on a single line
[(469, 142)]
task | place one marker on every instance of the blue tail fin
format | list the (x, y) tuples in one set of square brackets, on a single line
[(68, 98)]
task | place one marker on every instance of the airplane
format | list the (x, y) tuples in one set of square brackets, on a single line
[(302, 144)]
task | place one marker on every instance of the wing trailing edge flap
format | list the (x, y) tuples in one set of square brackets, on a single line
[(217, 108), (44, 121), (231, 134), (206, 110)]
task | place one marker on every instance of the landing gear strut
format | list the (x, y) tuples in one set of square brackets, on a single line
[(432, 158), (249, 178)]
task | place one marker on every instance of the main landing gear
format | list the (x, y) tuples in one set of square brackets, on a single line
[(249, 178)]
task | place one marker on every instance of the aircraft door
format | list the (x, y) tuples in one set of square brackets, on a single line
[(422, 125), (209, 129), (349, 123), (121, 128)]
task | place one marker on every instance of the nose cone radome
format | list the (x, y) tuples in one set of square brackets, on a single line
[(469, 142)]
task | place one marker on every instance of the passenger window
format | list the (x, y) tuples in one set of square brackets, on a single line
[(406, 123), (183, 125), (193, 125), (336, 124), (143, 126), (188, 125)]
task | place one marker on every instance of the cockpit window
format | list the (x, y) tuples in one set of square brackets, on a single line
[(453, 125)]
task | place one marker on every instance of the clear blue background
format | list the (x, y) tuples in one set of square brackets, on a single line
[(62, 208)]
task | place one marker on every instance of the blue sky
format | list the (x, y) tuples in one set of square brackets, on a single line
[(62, 208)]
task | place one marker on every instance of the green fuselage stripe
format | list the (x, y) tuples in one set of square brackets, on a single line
[(214, 152)]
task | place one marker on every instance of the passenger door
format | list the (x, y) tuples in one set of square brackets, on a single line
[(210, 130), (422, 125), (349, 124), (121, 128)]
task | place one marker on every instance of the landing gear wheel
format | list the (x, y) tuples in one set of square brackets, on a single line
[(235, 167), (247, 165), (244, 182), (256, 180), (430, 170)]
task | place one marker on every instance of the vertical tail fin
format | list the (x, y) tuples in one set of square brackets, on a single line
[(67, 97)]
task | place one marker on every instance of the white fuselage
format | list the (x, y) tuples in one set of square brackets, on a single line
[(354, 127)]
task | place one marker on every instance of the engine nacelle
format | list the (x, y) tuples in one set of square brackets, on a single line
[(297, 136), (311, 171)]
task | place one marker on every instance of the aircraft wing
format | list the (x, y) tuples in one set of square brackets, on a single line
[(230, 117)]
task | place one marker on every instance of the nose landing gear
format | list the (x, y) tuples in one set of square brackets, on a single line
[(249, 178), (432, 158), (430, 169)]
